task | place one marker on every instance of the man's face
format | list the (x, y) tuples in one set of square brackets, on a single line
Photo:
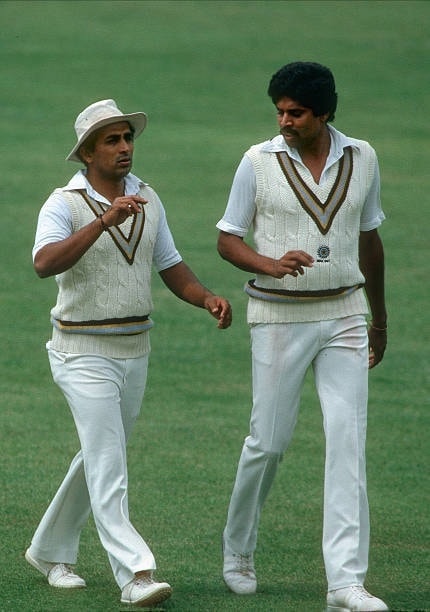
[(111, 155), (298, 125)]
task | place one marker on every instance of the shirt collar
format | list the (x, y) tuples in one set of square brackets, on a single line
[(338, 142), (79, 181)]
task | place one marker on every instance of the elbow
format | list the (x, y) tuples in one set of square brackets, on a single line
[(41, 272), (222, 246), (41, 269), (220, 251), (224, 254)]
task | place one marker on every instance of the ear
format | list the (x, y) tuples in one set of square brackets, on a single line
[(324, 118), (85, 154)]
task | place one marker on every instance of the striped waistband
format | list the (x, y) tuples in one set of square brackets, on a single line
[(283, 295), (126, 326)]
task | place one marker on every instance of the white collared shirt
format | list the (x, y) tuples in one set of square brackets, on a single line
[(241, 208), (55, 220)]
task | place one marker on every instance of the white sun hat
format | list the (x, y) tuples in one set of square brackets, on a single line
[(98, 115)]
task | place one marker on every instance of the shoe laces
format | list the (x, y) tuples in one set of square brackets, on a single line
[(144, 580), (360, 592), (244, 563), (65, 569)]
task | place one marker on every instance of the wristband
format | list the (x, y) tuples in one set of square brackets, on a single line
[(103, 224), (380, 329)]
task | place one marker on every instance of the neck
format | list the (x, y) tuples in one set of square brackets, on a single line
[(318, 148), (109, 188), (314, 156)]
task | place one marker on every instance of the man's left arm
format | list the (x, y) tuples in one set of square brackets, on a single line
[(371, 254), (185, 285)]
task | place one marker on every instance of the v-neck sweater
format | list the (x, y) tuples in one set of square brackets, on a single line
[(293, 212)]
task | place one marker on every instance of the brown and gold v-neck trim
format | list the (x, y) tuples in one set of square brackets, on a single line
[(323, 213), (126, 245)]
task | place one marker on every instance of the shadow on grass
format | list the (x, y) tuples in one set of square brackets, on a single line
[(208, 597)]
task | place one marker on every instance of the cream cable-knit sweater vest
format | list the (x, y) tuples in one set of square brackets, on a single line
[(323, 220), (104, 300)]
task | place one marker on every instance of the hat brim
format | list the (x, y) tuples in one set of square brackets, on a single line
[(137, 121)]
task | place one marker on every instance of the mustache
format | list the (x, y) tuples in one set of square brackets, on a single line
[(286, 132)]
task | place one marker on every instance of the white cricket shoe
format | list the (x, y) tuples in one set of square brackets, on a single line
[(144, 591), (353, 599), (239, 573), (59, 575)]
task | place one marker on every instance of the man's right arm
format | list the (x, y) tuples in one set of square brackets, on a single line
[(233, 249), (235, 223), (60, 256)]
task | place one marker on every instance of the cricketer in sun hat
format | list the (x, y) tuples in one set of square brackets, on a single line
[(98, 115)]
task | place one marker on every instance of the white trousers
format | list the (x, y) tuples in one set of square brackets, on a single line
[(337, 350), (105, 396)]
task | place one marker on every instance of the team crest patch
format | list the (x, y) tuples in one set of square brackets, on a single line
[(323, 253)]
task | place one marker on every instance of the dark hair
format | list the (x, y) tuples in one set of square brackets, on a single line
[(308, 83)]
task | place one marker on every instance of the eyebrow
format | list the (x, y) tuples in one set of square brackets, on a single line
[(118, 134), (295, 109)]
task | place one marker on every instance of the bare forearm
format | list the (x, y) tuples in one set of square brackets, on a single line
[(373, 268), (184, 284), (236, 251), (60, 256)]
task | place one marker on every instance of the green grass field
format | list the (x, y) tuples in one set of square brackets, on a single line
[(200, 70)]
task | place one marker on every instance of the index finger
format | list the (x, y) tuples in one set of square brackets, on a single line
[(304, 258), (138, 199)]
